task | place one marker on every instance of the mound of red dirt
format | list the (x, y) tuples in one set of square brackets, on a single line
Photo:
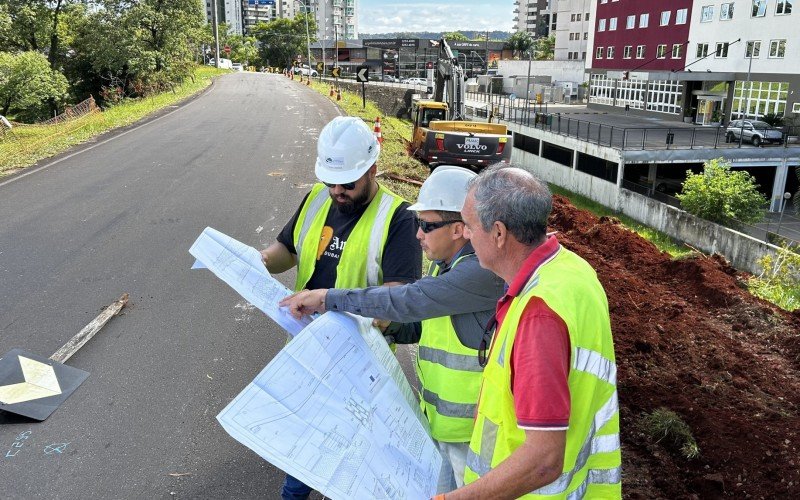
[(689, 337)]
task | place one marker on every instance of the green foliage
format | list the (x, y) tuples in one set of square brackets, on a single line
[(520, 42), (773, 119), (28, 87), (779, 281), (282, 40), (455, 36), (544, 48), (666, 427), (720, 194)]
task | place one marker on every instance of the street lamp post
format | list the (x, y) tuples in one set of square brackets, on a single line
[(751, 49), (786, 197), (305, 8)]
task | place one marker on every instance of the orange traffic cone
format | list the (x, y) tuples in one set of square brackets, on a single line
[(308, 80), (338, 94), (332, 92), (377, 130)]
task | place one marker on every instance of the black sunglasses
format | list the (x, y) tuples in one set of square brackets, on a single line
[(427, 227), (349, 186), (486, 341)]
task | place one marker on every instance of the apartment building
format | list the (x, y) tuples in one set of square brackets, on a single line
[(534, 17), (573, 25), (336, 19), (707, 62), (228, 12)]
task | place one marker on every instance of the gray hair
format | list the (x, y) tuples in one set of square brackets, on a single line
[(515, 197)]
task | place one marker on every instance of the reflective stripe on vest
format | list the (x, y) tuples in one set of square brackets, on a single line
[(360, 262), (449, 375), (592, 455)]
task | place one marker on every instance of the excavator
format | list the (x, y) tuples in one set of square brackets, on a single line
[(442, 135)]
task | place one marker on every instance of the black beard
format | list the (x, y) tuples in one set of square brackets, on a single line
[(352, 206)]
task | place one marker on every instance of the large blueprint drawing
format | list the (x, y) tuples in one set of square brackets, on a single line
[(334, 410), (240, 266)]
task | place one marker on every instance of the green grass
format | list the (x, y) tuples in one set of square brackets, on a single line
[(29, 144), (667, 427)]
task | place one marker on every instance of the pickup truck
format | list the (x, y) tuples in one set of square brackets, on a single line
[(471, 144)]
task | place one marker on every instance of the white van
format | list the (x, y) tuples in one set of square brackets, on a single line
[(223, 63)]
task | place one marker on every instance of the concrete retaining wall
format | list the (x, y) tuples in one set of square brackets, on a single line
[(741, 250), (392, 101)]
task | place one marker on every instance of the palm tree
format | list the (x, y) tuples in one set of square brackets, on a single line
[(520, 42)]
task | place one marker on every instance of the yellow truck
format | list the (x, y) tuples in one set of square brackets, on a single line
[(441, 133)]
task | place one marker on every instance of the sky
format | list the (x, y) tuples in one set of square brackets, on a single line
[(380, 16)]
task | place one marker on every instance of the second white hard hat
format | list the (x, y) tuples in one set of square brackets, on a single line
[(445, 189), (346, 149)]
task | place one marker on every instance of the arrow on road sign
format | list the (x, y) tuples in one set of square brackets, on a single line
[(336, 72), (320, 66), (362, 74), (40, 381)]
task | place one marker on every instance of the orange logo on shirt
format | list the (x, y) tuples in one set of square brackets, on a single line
[(324, 239)]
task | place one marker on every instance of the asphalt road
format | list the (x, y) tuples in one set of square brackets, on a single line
[(119, 216)]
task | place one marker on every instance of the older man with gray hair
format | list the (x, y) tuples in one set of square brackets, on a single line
[(547, 423)]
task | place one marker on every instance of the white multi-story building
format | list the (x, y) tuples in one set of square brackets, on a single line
[(573, 25), (534, 17), (229, 12), (746, 56), (336, 19)]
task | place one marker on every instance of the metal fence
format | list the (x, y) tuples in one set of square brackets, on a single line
[(83, 108)]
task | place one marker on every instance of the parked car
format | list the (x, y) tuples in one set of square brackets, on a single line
[(417, 81), (754, 131), (303, 70), (666, 185), (390, 79), (237, 67)]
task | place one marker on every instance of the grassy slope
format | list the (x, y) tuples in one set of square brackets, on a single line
[(29, 144)]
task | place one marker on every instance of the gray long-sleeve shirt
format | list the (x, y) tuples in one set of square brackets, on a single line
[(467, 293)]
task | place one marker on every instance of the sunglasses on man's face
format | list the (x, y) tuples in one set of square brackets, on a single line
[(347, 186), (427, 227), (486, 341)]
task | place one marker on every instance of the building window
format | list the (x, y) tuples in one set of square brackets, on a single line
[(759, 8), (783, 7), (665, 96), (626, 52), (680, 16), (702, 50), (630, 23), (599, 53), (665, 18), (631, 93), (722, 50), (612, 24), (610, 53), (640, 51), (753, 49), (777, 48), (585, 35), (587, 17), (644, 20), (601, 25), (661, 51), (726, 11), (755, 99), (676, 50), (601, 90), (707, 14)]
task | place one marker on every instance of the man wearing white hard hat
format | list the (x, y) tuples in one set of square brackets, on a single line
[(454, 302), (349, 231)]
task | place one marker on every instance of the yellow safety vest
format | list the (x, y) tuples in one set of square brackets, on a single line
[(449, 376), (592, 458), (360, 263)]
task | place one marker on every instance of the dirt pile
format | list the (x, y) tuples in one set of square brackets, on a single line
[(689, 337)]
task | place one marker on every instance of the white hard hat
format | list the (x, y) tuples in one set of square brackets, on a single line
[(346, 149), (445, 189)]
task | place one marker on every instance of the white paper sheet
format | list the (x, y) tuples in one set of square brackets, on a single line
[(241, 267), (328, 411)]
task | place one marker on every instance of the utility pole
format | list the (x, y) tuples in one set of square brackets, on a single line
[(742, 116), (215, 29)]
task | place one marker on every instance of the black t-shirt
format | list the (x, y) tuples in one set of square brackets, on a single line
[(402, 254)]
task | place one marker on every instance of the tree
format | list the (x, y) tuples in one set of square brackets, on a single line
[(544, 48), (28, 86), (720, 194), (520, 42), (282, 40), (455, 36)]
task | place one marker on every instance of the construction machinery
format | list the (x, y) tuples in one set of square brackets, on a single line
[(442, 135)]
